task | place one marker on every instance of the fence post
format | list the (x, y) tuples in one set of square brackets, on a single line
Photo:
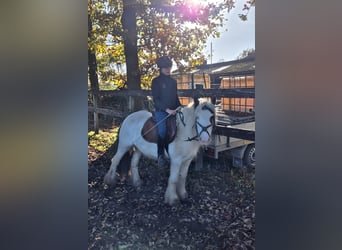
[(192, 81), (130, 104), (96, 115)]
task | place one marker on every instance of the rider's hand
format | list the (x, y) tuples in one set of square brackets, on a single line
[(170, 111)]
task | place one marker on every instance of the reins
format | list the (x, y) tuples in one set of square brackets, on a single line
[(157, 123)]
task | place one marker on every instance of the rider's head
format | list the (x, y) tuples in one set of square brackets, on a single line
[(164, 64)]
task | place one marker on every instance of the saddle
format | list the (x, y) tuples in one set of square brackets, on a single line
[(149, 131)]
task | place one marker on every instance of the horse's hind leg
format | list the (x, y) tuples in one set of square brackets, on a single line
[(134, 168), (109, 178)]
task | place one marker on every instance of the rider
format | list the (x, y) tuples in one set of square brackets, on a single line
[(166, 101)]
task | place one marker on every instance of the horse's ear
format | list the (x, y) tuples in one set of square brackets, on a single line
[(196, 101)]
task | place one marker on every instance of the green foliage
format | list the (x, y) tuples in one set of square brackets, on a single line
[(246, 8), (245, 53), (171, 27), (103, 140)]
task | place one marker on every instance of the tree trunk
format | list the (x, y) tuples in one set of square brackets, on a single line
[(94, 81), (129, 24)]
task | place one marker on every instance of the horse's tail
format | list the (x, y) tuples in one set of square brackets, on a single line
[(124, 165)]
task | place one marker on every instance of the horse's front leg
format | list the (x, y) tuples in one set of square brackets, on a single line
[(183, 172), (171, 196)]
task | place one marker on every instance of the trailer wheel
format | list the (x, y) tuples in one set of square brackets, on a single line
[(249, 157)]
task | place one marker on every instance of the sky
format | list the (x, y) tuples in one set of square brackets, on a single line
[(240, 35)]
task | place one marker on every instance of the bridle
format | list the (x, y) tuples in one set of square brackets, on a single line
[(204, 129), (198, 135)]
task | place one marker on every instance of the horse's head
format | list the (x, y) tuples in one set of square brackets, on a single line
[(204, 120)]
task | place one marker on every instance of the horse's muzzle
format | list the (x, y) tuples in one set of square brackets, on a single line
[(204, 139)]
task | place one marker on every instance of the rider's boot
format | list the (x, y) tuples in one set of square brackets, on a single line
[(161, 157)]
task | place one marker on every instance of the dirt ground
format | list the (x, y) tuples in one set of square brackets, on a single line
[(219, 213)]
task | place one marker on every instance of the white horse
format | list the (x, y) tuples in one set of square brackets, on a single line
[(194, 128)]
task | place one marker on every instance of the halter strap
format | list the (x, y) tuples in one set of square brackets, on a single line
[(204, 129)]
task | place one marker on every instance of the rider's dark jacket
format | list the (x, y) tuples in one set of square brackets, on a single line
[(164, 92)]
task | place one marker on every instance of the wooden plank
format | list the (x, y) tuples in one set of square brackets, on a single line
[(235, 132), (109, 112), (218, 93), (244, 126)]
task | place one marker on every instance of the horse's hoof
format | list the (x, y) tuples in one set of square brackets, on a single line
[(171, 202), (136, 184), (184, 196), (109, 180)]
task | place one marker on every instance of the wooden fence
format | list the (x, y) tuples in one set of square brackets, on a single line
[(217, 93), (211, 93)]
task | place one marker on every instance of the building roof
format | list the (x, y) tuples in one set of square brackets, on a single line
[(244, 65)]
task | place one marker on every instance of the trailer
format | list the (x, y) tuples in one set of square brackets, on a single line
[(235, 120), (236, 135)]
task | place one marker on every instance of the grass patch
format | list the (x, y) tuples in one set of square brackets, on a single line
[(103, 140)]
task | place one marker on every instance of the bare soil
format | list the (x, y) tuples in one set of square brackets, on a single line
[(219, 213)]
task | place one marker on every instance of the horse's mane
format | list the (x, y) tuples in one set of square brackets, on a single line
[(203, 104)]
